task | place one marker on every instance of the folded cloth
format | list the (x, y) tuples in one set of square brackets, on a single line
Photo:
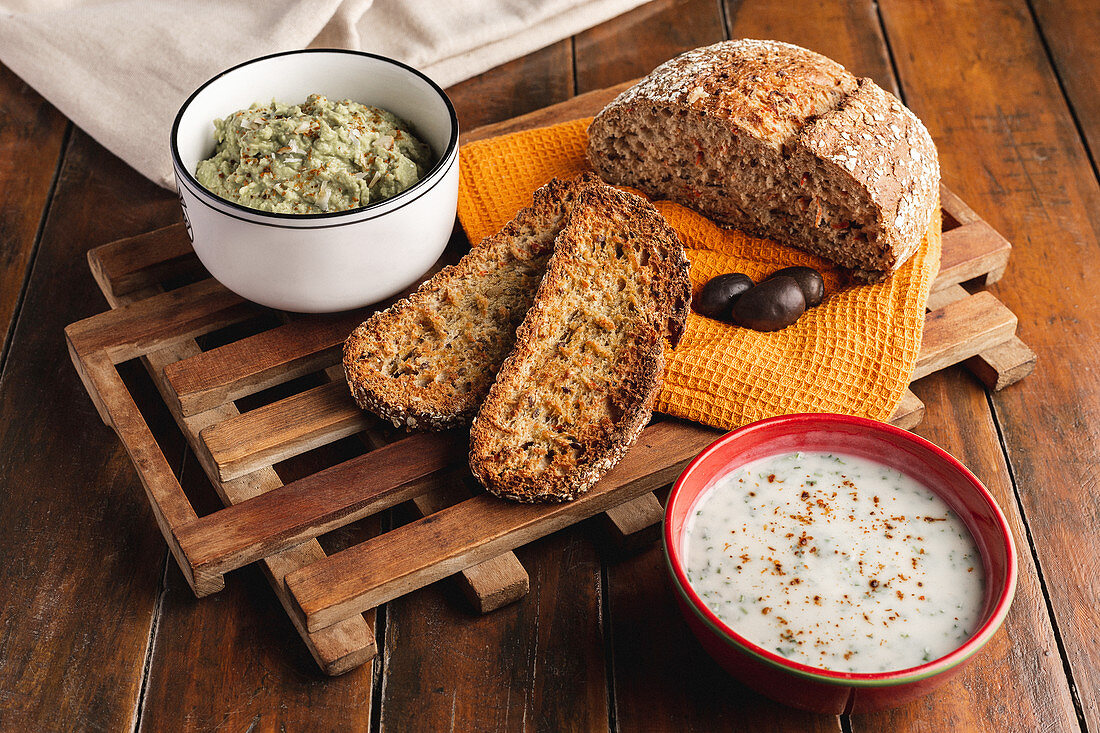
[(853, 354), (121, 69)]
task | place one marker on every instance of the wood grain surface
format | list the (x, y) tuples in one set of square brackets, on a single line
[(1068, 30), (77, 538), (97, 632), (32, 136), (1019, 159)]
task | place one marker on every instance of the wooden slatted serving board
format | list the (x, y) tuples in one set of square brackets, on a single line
[(461, 532)]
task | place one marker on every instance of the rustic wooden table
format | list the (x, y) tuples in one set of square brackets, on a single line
[(99, 631)]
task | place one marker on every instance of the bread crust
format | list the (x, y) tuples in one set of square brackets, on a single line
[(769, 89), (558, 455), (410, 363), (792, 102), (885, 150)]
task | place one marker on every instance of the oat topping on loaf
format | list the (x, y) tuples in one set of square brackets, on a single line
[(427, 361), (779, 141), (578, 388), (884, 147), (769, 88)]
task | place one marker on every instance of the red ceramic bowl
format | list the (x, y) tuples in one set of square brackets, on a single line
[(812, 688)]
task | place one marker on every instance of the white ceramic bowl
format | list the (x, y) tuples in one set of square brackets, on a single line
[(315, 263)]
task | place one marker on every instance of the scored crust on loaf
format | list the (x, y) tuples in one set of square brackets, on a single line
[(578, 389), (781, 142), (427, 361)]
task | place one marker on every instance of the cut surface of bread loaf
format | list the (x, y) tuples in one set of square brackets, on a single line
[(427, 361), (579, 386), (781, 142)]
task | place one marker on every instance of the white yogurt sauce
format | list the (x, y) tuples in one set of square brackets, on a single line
[(835, 561)]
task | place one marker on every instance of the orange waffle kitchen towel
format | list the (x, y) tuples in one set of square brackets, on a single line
[(853, 354)]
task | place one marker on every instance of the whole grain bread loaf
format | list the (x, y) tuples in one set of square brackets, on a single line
[(578, 388), (779, 141), (427, 362)]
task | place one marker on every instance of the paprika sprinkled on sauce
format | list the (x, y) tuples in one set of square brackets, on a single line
[(835, 561)]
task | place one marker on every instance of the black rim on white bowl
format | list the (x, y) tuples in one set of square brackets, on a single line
[(437, 173)]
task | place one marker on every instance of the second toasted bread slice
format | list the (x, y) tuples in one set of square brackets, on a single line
[(579, 386), (427, 361)]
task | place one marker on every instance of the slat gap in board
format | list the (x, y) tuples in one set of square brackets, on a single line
[(441, 544), (208, 398), (331, 498), (962, 329), (128, 265), (289, 427), (262, 360), (151, 324), (970, 251)]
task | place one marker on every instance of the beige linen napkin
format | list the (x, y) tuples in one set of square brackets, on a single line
[(121, 68)]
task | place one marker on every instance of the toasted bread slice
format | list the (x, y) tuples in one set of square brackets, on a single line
[(579, 386), (427, 362)]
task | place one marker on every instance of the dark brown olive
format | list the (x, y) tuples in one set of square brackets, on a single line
[(717, 297), (809, 279), (773, 304)]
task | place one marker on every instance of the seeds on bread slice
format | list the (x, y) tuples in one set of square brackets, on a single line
[(578, 388), (427, 362)]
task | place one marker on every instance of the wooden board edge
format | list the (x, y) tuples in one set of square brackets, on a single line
[(171, 507), (909, 412), (582, 105), (336, 651)]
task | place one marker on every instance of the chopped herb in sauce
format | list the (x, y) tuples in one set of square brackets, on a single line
[(844, 547)]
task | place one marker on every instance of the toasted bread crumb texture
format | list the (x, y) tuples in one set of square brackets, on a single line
[(427, 362), (853, 354), (579, 387), (781, 142)]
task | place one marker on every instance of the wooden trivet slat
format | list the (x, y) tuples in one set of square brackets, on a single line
[(461, 531), (432, 548), (320, 502), (286, 428), (962, 329), (337, 648), (250, 365)]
